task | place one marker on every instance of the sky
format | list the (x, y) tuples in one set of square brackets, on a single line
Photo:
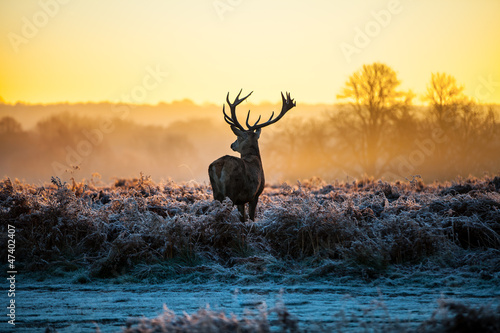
[(165, 50)]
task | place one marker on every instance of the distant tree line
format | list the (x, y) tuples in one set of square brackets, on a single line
[(67, 145), (379, 132)]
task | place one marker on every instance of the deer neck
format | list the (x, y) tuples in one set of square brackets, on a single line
[(251, 154)]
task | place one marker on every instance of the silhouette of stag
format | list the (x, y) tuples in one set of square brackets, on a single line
[(242, 179)]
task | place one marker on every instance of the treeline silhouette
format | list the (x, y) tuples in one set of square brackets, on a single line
[(377, 130), (68, 145)]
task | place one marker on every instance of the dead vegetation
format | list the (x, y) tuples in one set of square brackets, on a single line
[(164, 231), (206, 320), (457, 317), (450, 316)]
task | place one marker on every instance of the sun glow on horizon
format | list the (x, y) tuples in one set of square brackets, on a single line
[(147, 53)]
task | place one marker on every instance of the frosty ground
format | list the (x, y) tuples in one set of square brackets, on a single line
[(328, 305), (320, 256)]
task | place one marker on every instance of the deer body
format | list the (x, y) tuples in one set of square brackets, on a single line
[(242, 179)]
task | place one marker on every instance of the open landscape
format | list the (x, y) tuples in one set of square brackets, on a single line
[(343, 255), (250, 166)]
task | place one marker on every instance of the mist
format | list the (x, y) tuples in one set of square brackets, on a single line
[(174, 141), (178, 141)]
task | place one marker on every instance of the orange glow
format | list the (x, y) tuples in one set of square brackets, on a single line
[(56, 51), (122, 87)]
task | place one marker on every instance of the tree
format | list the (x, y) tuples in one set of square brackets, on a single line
[(14, 143), (9, 125), (444, 96), (468, 129), (369, 121)]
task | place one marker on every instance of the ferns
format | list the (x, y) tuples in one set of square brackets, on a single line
[(110, 231)]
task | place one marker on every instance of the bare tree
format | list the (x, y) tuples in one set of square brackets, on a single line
[(444, 97), (468, 129), (9, 125), (367, 123)]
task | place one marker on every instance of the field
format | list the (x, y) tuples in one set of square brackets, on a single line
[(364, 232)]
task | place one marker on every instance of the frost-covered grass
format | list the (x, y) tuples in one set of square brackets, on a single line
[(140, 230), (206, 320), (448, 317)]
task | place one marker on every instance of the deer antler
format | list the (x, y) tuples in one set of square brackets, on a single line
[(287, 104), (233, 120)]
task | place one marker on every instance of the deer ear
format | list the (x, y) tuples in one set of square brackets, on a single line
[(236, 131), (258, 132)]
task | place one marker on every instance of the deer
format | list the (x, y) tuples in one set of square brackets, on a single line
[(242, 179)]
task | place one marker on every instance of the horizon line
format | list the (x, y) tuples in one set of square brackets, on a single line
[(187, 101)]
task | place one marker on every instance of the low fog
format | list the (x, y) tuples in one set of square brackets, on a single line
[(178, 141), (105, 141)]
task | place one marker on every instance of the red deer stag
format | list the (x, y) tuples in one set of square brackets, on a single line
[(242, 179)]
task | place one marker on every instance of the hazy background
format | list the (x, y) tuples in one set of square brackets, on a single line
[(41, 141), (175, 140), (123, 87)]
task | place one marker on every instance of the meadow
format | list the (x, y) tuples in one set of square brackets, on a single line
[(140, 231)]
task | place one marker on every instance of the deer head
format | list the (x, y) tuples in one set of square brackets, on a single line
[(245, 141), (247, 138)]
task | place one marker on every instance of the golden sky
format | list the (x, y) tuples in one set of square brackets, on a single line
[(166, 50)]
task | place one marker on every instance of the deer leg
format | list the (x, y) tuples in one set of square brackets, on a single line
[(241, 208), (252, 205)]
